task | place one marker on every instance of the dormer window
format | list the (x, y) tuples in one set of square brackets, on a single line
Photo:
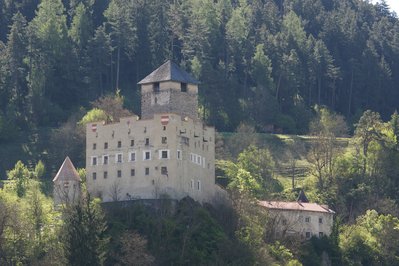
[(155, 87), (183, 87)]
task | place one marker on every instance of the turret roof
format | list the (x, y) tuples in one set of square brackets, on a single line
[(169, 71), (67, 172), (302, 197)]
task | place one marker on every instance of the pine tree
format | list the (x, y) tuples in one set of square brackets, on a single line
[(84, 236)]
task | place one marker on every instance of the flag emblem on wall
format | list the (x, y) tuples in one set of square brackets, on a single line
[(164, 120), (93, 127)]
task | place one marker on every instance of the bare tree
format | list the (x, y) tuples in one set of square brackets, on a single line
[(134, 250), (115, 191)]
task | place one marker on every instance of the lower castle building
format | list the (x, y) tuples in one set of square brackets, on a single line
[(168, 153)]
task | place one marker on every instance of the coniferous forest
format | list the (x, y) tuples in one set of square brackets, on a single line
[(327, 69)]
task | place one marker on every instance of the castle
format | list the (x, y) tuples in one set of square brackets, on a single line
[(169, 152)]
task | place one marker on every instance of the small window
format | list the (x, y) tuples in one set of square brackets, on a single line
[(94, 175), (203, 162), (199, 159), (119, 158), (147, 171), (131, 142), (94, 146), (164, 170), (320, 220), (199, 185), (308, 235), (147, 155), (132, 157), (119, 144), (105, 159), (105, 145), (147, 141), (164, 128), (132, 172), (119, 173), (178, 154), (93, 160), (192, 184), (183, 87), (164, 154), (284, 222), (105, 174), (307, 219), (321, 234), (155, 87), (164, 140)]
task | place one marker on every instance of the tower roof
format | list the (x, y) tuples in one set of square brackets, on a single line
[(169, 71), (67, 172), (302, 197)]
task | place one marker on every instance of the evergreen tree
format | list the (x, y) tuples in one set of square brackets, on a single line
[(84, 234)]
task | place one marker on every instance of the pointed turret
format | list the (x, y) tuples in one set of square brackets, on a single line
[(67, 172), (66, 184), (302, 197)]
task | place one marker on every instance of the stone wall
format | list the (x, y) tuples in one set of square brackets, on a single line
[(169, 101)]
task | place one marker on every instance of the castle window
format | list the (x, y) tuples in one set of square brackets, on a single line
[(119, 144), (94, 175), (199, 185), (164, 170), (147, 155), (105, 174), (119, 173), (307, 219), (147, 171), (94, 146), (321, 234), (105, 145), (132, 156), (132, 142), (164, 140), (179, 154), (93, 160), (147, 141), (183, 87), (164, 128), (192, 184), (320, 220), (105, 159), (132, 172), (164, 154), (155, 87), (199, 159), (284, 222), (119, 158), (308, 235)]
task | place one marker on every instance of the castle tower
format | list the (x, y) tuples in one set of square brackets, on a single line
[(169, 89), (66, 184)]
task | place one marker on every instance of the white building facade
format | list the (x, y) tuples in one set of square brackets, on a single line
[(168, 153), (301, 219)]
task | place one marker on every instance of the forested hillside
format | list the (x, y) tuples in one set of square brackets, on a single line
[(261, 61), (325, 68)]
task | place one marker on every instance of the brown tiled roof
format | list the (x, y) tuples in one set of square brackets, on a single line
[(67, 172), (295, 206), (169, 71)]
